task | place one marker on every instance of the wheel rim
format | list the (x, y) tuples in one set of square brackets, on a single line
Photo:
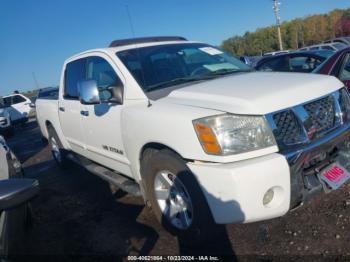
[(173, 199), (55, 149)]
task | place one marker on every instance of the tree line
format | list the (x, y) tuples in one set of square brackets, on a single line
[(296, 33)]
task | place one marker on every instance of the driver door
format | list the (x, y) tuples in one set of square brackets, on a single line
[(102, 122)]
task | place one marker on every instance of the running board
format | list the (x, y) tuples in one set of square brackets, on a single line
[(110, 176)]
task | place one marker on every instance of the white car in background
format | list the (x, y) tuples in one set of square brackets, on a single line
[(6, 127), (19, 107)]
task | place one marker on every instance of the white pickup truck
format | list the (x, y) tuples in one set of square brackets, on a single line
[(201, 137)]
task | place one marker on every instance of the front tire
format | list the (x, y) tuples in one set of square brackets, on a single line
[(176, 197), (57, 150)]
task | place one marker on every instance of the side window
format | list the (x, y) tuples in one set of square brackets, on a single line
[(7, 101), (304, 64), (345, 71), (74, 73), (277, 64), (17, 99), (102, 72)]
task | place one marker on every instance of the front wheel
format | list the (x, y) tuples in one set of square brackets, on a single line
[(57, 150), (176, 197)]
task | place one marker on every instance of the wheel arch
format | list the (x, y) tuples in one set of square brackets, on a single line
[(155, 147), (150, 148)]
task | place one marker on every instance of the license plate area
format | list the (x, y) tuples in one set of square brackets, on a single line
[(334, 176)]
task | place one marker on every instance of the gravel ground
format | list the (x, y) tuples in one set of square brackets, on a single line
[(78, 217)]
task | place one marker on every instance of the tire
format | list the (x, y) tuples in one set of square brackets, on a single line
[(13, 226), (57, 150), (199, 225)]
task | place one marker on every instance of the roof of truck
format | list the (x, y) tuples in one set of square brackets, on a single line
[(129, 46)]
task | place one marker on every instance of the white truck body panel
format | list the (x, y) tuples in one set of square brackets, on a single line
[(268, 92), (230, 183)]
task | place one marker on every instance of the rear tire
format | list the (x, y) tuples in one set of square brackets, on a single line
[(57, 150), (179, 203)]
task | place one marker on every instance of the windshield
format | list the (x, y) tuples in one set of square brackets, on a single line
[(156, 67)]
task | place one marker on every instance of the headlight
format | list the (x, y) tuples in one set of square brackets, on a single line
[(233, 134)]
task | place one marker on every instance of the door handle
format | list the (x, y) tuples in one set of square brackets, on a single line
[(84, 113), (62, 109)]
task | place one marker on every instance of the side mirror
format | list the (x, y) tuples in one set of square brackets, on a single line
[(117, 93), (14, 192), (32, 105), (88, 93)]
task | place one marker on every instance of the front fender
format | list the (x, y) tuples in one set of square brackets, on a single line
[(166, 124)]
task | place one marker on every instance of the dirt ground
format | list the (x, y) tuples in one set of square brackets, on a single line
[(77, 217)]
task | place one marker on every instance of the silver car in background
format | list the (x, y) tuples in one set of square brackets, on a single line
[(15, 190)]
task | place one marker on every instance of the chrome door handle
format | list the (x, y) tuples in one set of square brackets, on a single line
[(84, 113)]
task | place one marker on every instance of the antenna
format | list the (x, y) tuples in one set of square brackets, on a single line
[(130, 21), (35, 80), (138, 51), (276, 10)]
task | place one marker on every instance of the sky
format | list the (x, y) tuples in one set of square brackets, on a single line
[(36, 36)]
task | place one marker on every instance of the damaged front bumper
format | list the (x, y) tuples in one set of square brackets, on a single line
[(308, 161)]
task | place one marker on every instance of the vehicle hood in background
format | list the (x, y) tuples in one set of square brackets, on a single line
[(254, 93)]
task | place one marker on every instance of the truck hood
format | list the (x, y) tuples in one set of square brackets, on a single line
[(254, 93)]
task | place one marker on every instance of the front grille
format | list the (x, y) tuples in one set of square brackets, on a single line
[(288, 129), (322, 114), (307, 122)]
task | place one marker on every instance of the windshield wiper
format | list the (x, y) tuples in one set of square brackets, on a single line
[(176, 81), (222, 72)]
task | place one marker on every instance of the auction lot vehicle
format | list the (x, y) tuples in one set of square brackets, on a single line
[(15, 191), (6, 127), (338, 65), (19, 107), (201, 137), (336, 46), (301, 62)]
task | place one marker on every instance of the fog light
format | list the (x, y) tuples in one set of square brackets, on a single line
[(268, 197)]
